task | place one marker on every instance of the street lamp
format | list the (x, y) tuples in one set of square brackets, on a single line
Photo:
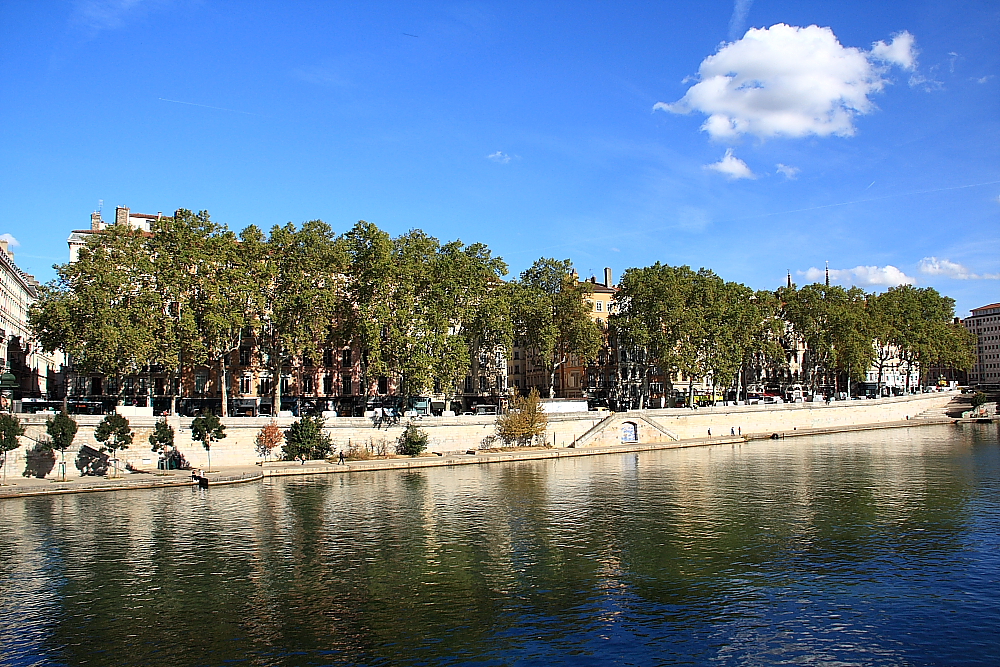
[(8, 383)]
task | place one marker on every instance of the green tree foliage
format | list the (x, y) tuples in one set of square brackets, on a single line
[(207, 429), (525, 423), (306, 441), (979, 398), (422, 312), (551, 316), (836, 326), (106, 310), (10, 430), (61, 430), (161, 439), (412, 441), (690, 324), (113, 433)]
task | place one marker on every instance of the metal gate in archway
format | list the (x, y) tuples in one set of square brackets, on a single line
[(630, 432)]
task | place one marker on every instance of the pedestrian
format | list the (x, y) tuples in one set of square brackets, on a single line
[(740, 430), (710, 433), (732, 431), (340, 458)]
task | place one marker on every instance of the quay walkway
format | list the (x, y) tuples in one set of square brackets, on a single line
[(19, 487)]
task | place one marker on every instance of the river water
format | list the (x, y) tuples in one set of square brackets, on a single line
[(877, 548)]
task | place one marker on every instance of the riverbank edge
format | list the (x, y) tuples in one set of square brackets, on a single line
[(468, 459)]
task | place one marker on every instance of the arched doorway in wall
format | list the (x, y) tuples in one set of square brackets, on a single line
[(630, 432)]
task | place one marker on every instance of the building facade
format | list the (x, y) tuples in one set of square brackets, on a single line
[(985, 324), (39, 374)]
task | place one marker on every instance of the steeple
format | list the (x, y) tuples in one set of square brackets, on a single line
[(828, 274), (789, 279)]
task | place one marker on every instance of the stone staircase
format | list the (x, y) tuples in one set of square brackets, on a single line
[(946, 413)]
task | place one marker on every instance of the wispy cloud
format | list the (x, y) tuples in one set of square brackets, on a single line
[(733, 167), (738, 21), (788, 172), (9, 238), (862, 276), (499, 156), (107, 14), (933, 266)]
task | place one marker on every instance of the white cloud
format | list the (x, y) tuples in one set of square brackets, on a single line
[(500, 157), (902, 51), (733, 167), (789, 81), (984, 79), (933, 266), (789, 172), (11, 241), (862, 276)]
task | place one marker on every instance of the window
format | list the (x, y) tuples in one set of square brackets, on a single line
[(265, 388), (200, 380), (307, 384), (245, 384), (517, 369), (245, 356), (517, 354), (468, 384), (307, 362), (284, 384), (345, 358), (328, 358), (484, 383), (327, 380), (383, 385), (346, 382), (599, 305)]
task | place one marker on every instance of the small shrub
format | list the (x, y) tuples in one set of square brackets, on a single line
[(269, 437), (525, 423), (305, 441), (978, 399), (356, 452), (412, 442)]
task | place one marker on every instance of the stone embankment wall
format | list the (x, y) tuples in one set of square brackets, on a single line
[(450, 434)]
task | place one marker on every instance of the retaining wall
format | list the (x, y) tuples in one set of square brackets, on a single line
[(451, 434)]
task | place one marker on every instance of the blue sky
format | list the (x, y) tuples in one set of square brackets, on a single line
[(730, 136)]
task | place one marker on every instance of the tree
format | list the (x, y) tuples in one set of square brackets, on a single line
[(269, 437), (412, 441), (106, 310), (979, 398), (207, 429), (114, 433), (10, 431), (551, 316), (305, 440), (62, 430), (161, 440), (526, 421)]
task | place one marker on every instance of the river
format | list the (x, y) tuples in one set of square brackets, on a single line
[(873, 548)]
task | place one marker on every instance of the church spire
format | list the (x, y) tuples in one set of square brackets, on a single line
[(828, 274)]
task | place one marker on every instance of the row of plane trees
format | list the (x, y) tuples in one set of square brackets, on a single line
[(693, 324), (425, 314), (186, 295)]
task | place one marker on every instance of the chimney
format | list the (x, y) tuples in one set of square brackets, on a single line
[(121, 215), (3, 246), (607, 276), (95, 221)]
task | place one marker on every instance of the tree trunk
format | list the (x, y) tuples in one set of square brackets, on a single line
[(222, 385)]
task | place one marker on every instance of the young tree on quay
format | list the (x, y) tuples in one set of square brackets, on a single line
[(114, 434), (306, 441), (10, 430), (207, 429), (61, 430)]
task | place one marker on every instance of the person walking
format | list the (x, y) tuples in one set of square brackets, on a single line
[(340, 458), (710, 433)]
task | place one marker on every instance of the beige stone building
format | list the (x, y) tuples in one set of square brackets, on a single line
[(985, 324), (39, 374)]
